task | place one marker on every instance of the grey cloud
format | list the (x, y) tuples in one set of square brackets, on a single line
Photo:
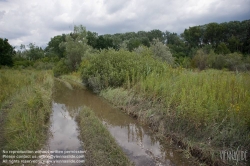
[(13, 35), (115, 6), (38, 21), (2, 14)]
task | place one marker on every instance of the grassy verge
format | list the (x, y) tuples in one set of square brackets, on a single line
[(73, 77), (25, 108), (204, 112), (71, 80), (100, 145)]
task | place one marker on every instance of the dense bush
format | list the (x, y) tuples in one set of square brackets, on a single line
[(25, 107), (114, 68), (61, 68), (22, 63), (161, 51), (233, 61), (212, 100), (43, 65)]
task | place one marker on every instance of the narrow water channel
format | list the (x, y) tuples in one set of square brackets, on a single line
[(138, 143)]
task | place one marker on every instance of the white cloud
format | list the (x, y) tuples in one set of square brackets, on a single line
[(37, 21)]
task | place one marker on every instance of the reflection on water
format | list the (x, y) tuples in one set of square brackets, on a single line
[(141, 146), (64, 130)]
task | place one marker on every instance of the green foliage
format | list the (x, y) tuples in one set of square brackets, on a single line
[(184, 62), (6, 53), (233, 61), (222, 49), (34, 52), (115, 68), (193, 36), (216, 61), (161, 51), (155, 34), (25, 108), (103, 43), (195, 105), (53, 48), (101, 147), (200, 60), (92, 38), (75, 47), (61, 68), (232, 35), (208, 98), (40, 65), (22, 63), (133, 43)]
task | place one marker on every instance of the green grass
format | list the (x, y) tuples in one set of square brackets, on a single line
[(25, 108), (74, 76), (100, 145), (214, 100), (207, 110)]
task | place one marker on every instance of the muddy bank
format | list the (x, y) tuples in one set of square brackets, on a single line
[(167, 126), (101, 148), (137, 141)]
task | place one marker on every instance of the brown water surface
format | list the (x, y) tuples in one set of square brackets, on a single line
[(137, 141)]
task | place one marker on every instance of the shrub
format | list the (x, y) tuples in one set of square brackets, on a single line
[(234, 61), (115, 68), (200, 60), (43, 65), (161, 51), (61, 68), (22, 63)]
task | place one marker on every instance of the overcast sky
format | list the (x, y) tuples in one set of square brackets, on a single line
[(36, 21)]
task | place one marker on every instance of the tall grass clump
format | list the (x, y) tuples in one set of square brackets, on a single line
[(100, 145), (203, 112), (110, 68), (209, 108), (212, 105), (25, 108)]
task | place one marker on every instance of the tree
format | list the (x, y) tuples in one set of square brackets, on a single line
[(75, 47), (193, 36), (6, 52), (145, 41), (54, 46), (92, 38), (200, 60), (161, 51), (155, 34), (233, 61), (222, 49), (34, 52), (172, 38), (211, 34), (133, 43), (104, 43)]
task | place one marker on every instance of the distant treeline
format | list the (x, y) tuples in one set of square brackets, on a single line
[(224, 38), (211, 40)]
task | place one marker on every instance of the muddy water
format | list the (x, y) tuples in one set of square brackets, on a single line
[(140, 145)]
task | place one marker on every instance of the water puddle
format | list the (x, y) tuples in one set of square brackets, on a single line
[(64, 130), (140, 145)]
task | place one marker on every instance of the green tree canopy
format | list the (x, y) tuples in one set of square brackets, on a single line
[(6, 52), (54, 46), (75, 47)]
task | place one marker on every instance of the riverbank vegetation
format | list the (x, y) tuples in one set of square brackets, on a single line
[(25, 108), (101, 148), (208, 110), (192, 87)]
